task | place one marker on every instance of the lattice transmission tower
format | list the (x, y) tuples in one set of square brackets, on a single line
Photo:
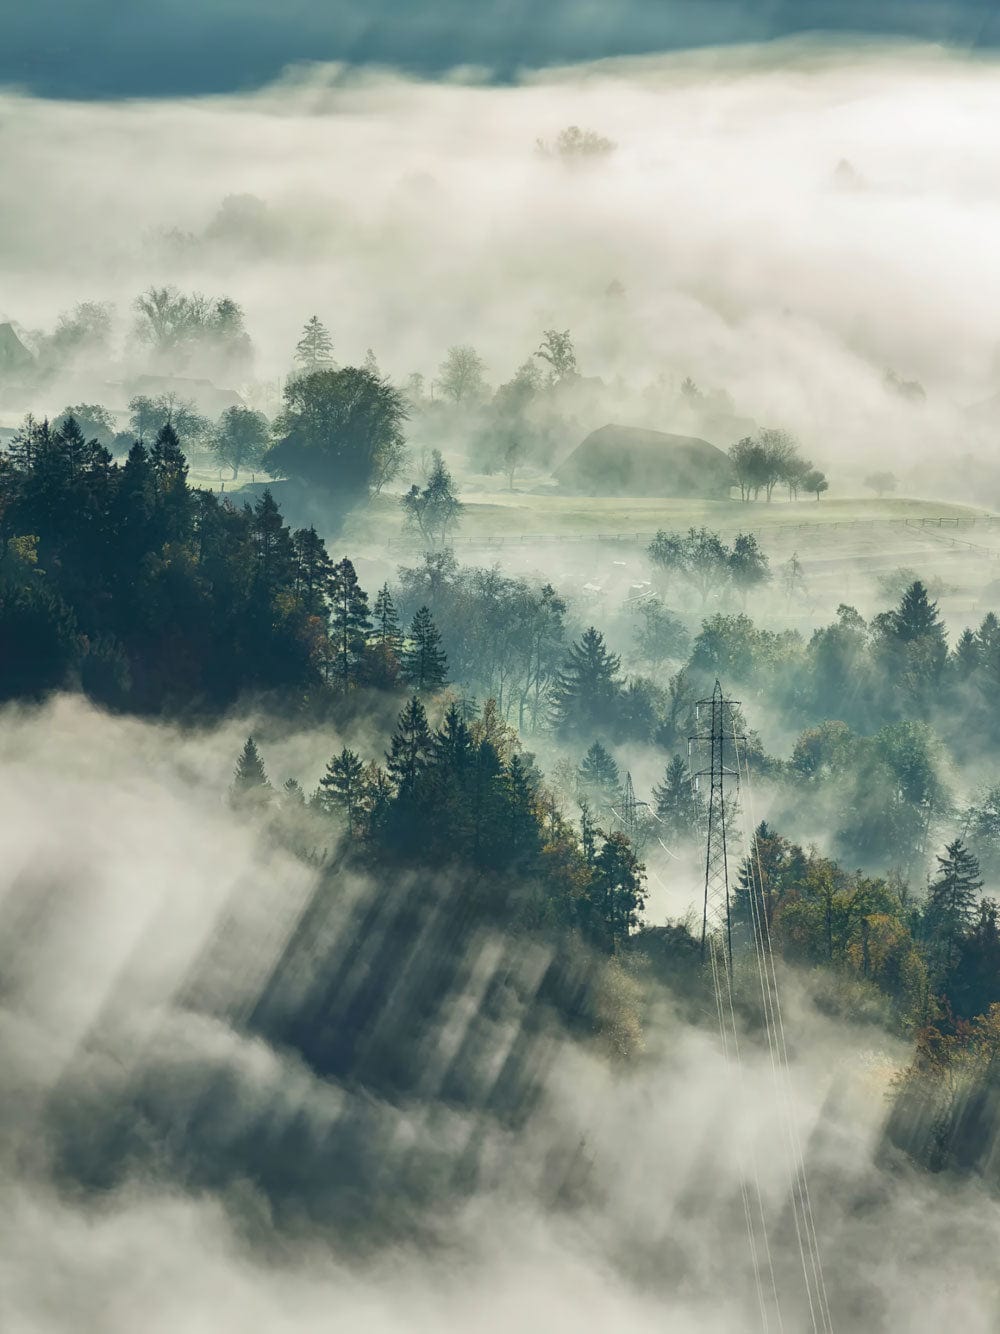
[(717, 721), (628, 814)]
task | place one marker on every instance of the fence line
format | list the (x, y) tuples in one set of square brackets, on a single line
[(931, 523)]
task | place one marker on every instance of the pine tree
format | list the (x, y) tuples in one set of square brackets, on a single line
[(250, 782), (975, 981), (587, 690), (453, 743), (342, 788), (678, 805), (454, 757), (425, 665), (410, 748), (314, 571), (951, 904), (617, 890), (314, 350), (170, 471), (523, 836), (386, 620), (599, 777), (350, 623), (917, 617), (966, 655), (274, 553)]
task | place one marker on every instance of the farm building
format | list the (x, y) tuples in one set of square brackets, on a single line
[(629, 461)]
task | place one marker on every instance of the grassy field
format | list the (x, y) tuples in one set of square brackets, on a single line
[(504, 517)]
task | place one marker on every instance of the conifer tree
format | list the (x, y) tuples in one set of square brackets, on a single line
[(273, 549), (952, 901), (170, 471), (678, 805), (599, 777), (453, 742), (587, 690), (425, 665), (314, 571), (250, 782), (410, 748), (917, 617), (342, 788), (966, 655), (618, 890), (350, 623), (386, 620), (522, 816), (314, 350), (975, 981)]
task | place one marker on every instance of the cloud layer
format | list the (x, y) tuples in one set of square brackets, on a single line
[(411, 216)]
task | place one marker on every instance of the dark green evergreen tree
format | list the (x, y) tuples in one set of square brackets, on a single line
[(386, 620), (974, 984), (274, 557), (677, 803), (410, 748), (350, 623), (250, 782), (966, 656), (617, 891), (170, 471), (917, 617), (587, 691), (599, 778), (314, 571), (342, 788), (951, 906), (425, 665)]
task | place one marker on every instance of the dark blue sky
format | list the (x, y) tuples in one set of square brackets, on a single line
[(123, 48)]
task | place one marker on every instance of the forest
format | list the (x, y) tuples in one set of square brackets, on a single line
[(499, 644)]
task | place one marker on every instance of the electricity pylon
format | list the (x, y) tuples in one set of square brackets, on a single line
[(718, 714), (627, 813)]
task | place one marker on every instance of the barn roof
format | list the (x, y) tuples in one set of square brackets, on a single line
[(630, 461)]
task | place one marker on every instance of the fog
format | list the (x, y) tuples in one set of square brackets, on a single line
[(412, 215), (249, 1085), (611, 1200)]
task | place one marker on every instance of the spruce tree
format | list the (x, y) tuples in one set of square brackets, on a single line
[(974, 984), (314, 350), (587, 690), (678, 805), (274, 553), (617, 890), (453, 743), (951, 907), (313, 571), (386, 620), (425, 665), (342, 788), (250, 782), (599, 778), (917, 617), (350, 623), (410, 748), (169, 468), (966, 655), (523, 835)]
